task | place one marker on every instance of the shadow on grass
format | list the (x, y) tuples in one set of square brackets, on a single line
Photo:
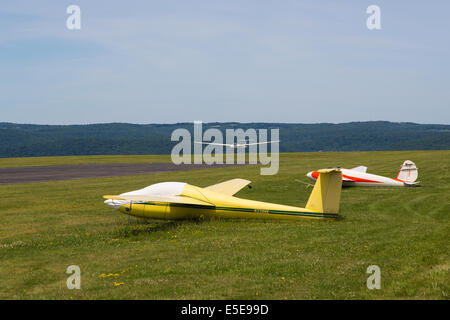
[(139, 226), (135, 227)]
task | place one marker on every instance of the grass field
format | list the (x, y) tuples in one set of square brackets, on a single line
[(46, 227)]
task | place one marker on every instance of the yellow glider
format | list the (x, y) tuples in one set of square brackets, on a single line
[(177, 200)]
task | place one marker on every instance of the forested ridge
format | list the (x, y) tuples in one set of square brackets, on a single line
[(25, 140)]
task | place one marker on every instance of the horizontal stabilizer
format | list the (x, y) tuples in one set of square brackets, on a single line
[(411, 184)]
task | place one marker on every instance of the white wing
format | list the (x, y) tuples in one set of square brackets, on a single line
[(215, 144), (255, 143), (360, 169), (162, 199)]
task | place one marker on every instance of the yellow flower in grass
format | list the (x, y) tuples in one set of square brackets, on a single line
[(116, 284), (104, 275)]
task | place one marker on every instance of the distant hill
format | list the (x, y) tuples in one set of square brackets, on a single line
[(26, 140)]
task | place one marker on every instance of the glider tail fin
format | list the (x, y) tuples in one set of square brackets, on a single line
[(408, 172), (326, 194)]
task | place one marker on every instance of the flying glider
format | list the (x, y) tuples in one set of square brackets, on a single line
[(358, 176), (179, 200), (236, 145)]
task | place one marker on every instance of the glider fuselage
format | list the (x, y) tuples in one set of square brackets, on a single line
[(178, 200), (358, 176), (222, 206)]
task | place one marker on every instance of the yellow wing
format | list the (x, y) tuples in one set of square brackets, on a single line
[(163, 199), (229, 187)]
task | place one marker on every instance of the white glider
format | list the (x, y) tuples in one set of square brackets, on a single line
[(358, 176), (235, 145)]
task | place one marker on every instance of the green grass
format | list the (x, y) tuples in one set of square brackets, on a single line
[(48, 226)]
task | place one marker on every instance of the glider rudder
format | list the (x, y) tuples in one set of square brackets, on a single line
[(408, 172), (326, 194)]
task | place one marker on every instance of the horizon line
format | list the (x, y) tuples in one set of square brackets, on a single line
[(224, 122)]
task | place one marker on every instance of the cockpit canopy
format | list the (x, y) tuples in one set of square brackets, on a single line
[(159, 189)]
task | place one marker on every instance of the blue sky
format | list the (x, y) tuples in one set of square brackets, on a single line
[(248, 61)]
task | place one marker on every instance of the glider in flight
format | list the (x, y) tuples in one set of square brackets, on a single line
[(236, 145), (358, 176), (178, 200)]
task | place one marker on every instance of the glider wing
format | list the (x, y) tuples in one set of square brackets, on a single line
[(162, 199), (215, 144), (229, 187), (256, 143), (360, 169)]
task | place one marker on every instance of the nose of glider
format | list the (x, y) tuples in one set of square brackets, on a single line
[(115, 204), (310, 175)]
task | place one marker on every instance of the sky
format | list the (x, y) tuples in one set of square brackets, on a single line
[(247, 61)]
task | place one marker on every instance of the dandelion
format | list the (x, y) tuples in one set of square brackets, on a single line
[(282, 278), (116, 284)]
